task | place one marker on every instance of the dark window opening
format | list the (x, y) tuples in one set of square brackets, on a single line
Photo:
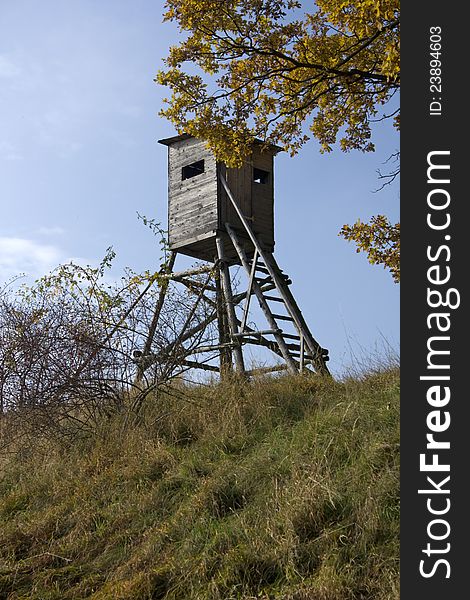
[(192, 170), (260, 176)]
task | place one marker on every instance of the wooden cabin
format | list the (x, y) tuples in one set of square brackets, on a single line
[(198, 206)]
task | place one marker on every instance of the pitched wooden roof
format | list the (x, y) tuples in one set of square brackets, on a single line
[(186, 136)]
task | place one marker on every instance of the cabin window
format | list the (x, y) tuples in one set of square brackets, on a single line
[(260, 176), (192, 170)]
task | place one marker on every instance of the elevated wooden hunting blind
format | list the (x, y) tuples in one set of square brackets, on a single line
[(225, 216), (199, 207)]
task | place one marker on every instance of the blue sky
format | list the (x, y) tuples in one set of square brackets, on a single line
[(79, 159)]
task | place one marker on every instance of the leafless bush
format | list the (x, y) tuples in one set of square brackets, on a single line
[(70, 346)]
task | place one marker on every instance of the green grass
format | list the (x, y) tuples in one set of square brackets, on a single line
[(279, 489)]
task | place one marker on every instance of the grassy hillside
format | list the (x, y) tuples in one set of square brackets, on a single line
[(280, 489)]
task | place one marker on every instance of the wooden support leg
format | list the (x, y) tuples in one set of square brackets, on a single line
[(249, 292), (229, 304), (224, 332)]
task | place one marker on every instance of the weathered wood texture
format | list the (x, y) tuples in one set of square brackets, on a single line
[(256, 200), (192, 203), (198, 206)]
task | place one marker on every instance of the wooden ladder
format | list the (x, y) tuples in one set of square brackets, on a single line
[(298, 346)]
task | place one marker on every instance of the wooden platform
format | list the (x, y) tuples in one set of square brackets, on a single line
[(204, 247)]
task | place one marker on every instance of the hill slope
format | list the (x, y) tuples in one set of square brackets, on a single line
[(281, 489)]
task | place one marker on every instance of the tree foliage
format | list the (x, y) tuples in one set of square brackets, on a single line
[(274, 67), (271, 69), (380, 239)]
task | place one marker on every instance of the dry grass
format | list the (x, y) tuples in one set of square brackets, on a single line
[(280, 489)]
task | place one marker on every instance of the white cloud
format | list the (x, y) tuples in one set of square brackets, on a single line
[(21, 256), (18, 255)]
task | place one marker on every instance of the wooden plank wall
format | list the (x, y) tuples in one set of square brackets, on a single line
[(239, 182), (255, 199), (192, 203)]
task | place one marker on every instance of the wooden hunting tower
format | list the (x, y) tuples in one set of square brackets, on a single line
[(226, 216), (199, 207)]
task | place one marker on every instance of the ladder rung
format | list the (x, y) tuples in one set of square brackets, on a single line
[(283, 317), (263, 280), (256, 333), (267, 287), (284, 281), (294, 347), (262, 269), (309, 356), (274, 298), (283, 276), (306, 356), (290, 336)]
